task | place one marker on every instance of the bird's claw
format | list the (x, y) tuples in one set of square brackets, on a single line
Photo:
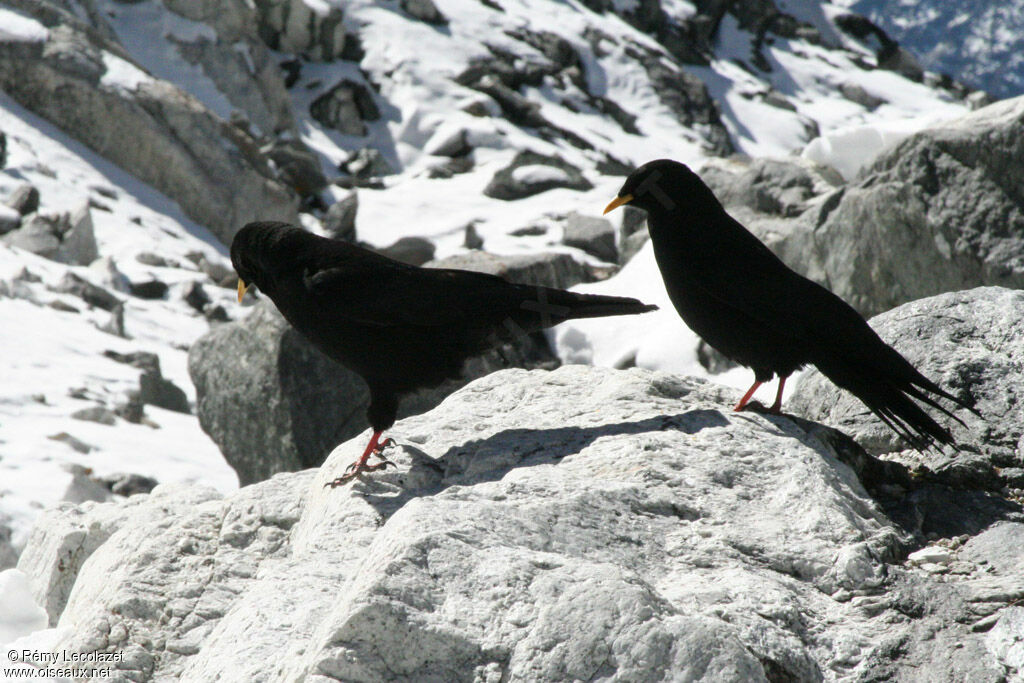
[(359, 466), (355, 469)]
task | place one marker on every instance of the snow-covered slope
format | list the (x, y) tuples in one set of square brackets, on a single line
[(979, 42), (591, 88)]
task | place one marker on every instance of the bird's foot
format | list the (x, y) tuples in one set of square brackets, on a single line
[(758, 407), (360, 466)]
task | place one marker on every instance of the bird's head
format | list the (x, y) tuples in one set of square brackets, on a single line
[(257, 251), (660, 186)]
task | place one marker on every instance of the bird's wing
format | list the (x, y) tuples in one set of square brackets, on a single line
[(739, 271), (370, 294)]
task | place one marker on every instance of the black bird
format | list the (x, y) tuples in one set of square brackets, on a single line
[(397, 326), (746, 303)]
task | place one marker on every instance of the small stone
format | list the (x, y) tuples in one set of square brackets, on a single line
[(76, 444), (195, 296), (934, 554), (216, 314), (472, 239), (340, 220), (215, 270), (128, 484), (132, 409), (412, 250), (24, 199), (95, 414), (88, 292), (150, 259), (115, 325), (151, 289), (59, 305)]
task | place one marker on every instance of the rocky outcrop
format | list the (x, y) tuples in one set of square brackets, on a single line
[(941, 211), (89, 88), (295, 26), (234, 58), (273, 403), (579, 524), (973, 344)]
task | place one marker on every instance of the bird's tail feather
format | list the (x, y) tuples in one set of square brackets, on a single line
[(889, 395), (564, 305)]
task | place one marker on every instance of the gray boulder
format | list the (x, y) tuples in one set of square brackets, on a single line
[(548, 269), (154, 388), (531, 173), (273, 403), (941, 211), (412, 250), (775, 187), (94, 295), (210, 168), (969, 342), (592, 234), (78, 243), (575, 525), (631, 245)]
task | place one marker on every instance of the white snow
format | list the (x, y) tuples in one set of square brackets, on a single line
[(20, 616), (122, 74), (15, 27), (539, 173), (47, 352), (849, 149)]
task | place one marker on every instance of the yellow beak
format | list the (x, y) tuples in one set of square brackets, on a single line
[(242, 289), (617, 202)]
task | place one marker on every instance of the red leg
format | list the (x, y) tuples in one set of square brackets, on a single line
[(777, 406), (375, 447), (746, 397)]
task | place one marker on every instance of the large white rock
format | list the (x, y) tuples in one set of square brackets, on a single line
[(579, 524)]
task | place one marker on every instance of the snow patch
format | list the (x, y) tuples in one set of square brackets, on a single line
[(16, 28), (122, 74), (535, 174)]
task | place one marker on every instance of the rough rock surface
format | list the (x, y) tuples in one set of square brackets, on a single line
[(592, 234), (295, 26), (236, 60), (273, 403), (89, 88), (639, 531), (968, 342)]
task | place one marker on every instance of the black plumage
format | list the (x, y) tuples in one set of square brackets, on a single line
[(745, 302), (398, 326)]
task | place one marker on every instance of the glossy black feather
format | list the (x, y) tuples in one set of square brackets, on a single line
[(745, 302), (398, 326)]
